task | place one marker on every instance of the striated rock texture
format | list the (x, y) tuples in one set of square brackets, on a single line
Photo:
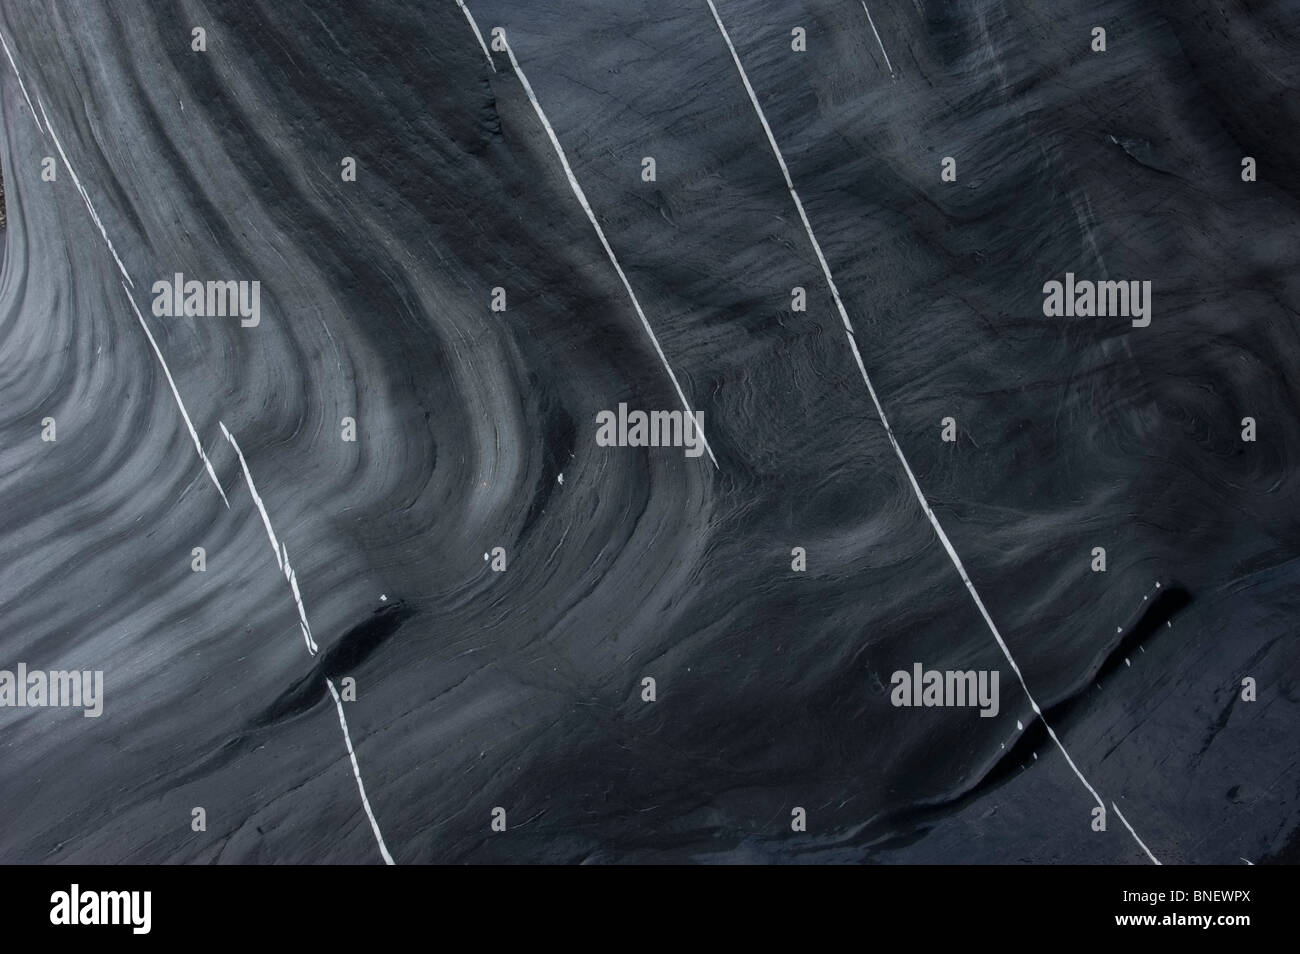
[(522, 689)]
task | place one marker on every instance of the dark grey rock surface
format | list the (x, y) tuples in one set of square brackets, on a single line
[(522, 689)]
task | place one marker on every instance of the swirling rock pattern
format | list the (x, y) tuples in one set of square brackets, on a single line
[(475, 430)]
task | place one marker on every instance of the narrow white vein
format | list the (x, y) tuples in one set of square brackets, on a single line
[(356, 771), (84, 196), (171, 382), (126, 287), (600, 233), (21, 84), (474, 26), (1135, 834), (257, 500), (281, 552), (878, 40), (276, 547), (292, 577), (282, 560), (880, 411)]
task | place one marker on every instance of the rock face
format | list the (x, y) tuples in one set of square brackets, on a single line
[(397, 464)]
